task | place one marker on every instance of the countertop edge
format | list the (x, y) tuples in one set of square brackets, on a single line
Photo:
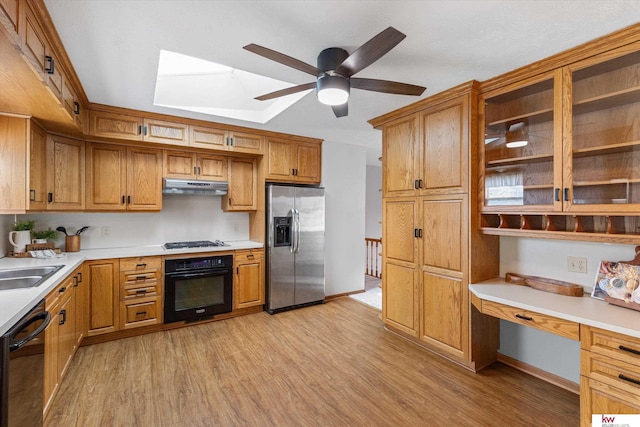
[(14, 304), (584, 310)]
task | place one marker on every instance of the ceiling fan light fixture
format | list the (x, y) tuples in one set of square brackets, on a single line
[(333, 90)]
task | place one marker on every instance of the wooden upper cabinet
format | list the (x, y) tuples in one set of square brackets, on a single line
[(400, 157), (37, 197), (13, 164), (11, 10), (65, 173), (144, 179), (243, 192), (445, 143), (293, 161), (34, 43), (112, 125), (123, 178), (164, 132), (221, 140), (188, 165)]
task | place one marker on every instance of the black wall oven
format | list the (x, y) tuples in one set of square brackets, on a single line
[(197, 288)]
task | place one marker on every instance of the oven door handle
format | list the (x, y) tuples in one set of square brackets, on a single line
[(203, 274)]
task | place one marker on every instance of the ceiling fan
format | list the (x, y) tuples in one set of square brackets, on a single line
[(336, 68)]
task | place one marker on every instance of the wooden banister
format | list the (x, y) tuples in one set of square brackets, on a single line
[(373, 258)]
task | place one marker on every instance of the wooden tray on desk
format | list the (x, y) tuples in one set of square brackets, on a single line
[(545, 284)]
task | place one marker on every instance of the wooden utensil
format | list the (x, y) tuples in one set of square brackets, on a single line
[(545, 284)]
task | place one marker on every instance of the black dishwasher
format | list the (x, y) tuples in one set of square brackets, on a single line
[(22, 370)]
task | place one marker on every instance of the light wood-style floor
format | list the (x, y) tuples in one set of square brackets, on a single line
[(327, 365)]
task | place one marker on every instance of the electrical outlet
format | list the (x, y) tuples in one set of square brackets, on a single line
[(236, 227), (577, 264), (105, 231)]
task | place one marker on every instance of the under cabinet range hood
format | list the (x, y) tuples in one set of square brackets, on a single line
[(195, 187)]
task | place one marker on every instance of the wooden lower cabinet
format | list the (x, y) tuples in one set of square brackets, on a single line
[(249, 279), (102, 304), (140, 292), (609, 374), (400, 298), (63, 335)]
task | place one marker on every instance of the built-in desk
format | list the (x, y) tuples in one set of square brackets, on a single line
[(609, 339)]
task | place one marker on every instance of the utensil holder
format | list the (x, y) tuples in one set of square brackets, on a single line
[(72, 243)]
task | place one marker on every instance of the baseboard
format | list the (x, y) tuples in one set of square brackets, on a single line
[(346, 294), (539, 373)]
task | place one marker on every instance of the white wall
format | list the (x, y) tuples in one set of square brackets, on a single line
[(548, 258), (344, 180), (373, 207)]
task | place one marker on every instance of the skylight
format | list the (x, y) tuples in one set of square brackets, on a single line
[(193, 84)]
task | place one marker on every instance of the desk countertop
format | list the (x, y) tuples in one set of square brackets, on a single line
[(585, 310)]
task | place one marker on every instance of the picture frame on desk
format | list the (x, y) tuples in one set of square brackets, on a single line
[(618, 283)]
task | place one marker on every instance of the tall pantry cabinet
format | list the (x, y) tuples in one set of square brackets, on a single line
[(431, 250)]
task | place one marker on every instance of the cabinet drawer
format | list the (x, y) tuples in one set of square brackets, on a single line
[(140, 264), (138, 313), (244, 256), (54, 297), (142, 278), (611, 344), (613, 372), (543, 322), (127, 293)]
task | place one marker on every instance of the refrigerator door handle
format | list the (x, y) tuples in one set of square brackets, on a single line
[(297, 234), (292, 215)]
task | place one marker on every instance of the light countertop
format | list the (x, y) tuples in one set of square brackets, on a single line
[(15, 303), (585, 310)]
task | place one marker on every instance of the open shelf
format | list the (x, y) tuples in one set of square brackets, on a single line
[(602, 228), (605, 182), (538, 116), (610, 100), (520, 160)]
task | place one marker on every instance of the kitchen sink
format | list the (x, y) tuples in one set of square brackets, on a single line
[(26, 277)]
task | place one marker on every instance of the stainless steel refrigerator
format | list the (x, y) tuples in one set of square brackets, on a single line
[(295, 247)]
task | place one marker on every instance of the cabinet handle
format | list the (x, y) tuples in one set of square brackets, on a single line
[(415, 184), (141, 313), (62, 289), (75, 281), (139, 129), (50, 197), (237, 270), (199, 171), (527, 318), (32, 195), (566, 194), (250, 256), (141, 265), (230, 202), (629, 379), (50, 68), (416, 232), (80, 277), (128, 199), (145, 131), (556, 194), (231, 143), (141, 291), (420, 183), (63, 313), (123, 199), (141, 277), (76, 108), (629, 349)]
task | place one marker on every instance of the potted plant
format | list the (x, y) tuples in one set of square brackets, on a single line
[(23, 225), (20, 235), (43, 235)]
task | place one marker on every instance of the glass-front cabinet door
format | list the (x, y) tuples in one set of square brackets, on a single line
[(519, 169), (604, 134)]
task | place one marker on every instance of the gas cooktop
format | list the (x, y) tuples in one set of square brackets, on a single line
[(193, 244)]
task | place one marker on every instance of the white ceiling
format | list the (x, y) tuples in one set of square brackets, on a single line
[(115, 44)]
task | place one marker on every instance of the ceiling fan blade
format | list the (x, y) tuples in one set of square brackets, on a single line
[(283, 59), (287, 91), (387, 86), (340, 110), (370, 52)]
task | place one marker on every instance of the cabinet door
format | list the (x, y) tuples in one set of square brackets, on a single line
[(34, 43), (106, 177), (179, 165), (13, 164), (67, 332), (246, 143), (55, 76), (599, 398), (243, 192), (308, 163), (249, 284), (51, 355), (602, 172), (400, 276), (80, 297), (400, 157), (65, 173), (102, 296), (212, 168), (70, 99), (205, 137), (443, 233), (166, 132), (111, 125), (37, 169), (523, 146), (11, 10), (445, 141), (144, 179), (279, 160)]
